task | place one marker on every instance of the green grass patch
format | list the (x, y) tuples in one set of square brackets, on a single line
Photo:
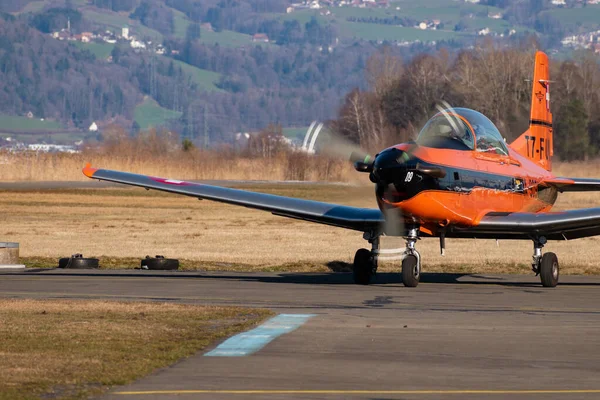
[(206, 80), (448, 12), (151, 114), (57, 137), (15, 123), (303, 16), (181, 23), (225, 38), (295, 132), (118, 21), (577, 19), (33, 7), (100, 50), (367, 31), (67, 349)]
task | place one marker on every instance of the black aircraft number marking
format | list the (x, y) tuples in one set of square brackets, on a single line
[(542, 150)]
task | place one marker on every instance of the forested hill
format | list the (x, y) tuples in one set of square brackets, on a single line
[(57, 80), (227, 66), (223, 87)]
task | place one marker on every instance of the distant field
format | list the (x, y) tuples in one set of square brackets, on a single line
[(447, 11), (100, 50), (584, 18), (57, 137), (118, 21), (372, 31), (368, 31), (181, 23), (225, 38), (295, 132), (150, 114), (206, 80), (34, 6), (14, 123), (303, 16)]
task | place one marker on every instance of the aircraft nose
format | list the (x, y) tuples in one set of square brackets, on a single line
[(388, 165)]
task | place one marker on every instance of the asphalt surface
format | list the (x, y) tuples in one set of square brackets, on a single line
[(453, 337)]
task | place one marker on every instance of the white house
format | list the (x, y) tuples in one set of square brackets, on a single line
[(136, 44)]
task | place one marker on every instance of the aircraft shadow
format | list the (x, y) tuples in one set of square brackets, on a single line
[(340, 277)]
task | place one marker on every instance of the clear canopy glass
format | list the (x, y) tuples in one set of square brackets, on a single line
[(462, 129)]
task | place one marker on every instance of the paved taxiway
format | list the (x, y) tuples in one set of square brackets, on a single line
[(453, 337)]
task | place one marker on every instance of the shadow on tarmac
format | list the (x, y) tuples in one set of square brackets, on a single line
[(333, 278)]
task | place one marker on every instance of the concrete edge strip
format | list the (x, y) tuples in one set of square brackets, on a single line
[(249, 342), (12, 266)]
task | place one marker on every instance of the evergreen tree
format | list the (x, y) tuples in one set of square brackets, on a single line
[(571, 134)]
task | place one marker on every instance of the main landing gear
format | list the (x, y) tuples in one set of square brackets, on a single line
[(546, 266), (365, 261)]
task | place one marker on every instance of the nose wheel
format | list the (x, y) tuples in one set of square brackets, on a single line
[(411, 270)]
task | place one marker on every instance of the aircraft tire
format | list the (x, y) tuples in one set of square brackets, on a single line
[(411, 271), (78, 263), (362, 269), (160, 263), (549, 270)]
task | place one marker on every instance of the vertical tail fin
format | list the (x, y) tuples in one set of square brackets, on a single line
[(536, 143)]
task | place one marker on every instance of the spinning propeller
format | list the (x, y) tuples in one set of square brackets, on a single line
[(396, 173)]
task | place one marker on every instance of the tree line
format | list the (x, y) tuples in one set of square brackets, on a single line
[(495, 81)]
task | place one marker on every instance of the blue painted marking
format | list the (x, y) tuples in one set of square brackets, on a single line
[(250, 342)]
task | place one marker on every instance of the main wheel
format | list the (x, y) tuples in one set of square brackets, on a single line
[(160, 263), (363, 267), (549, 270), (411, 271), (78, 263)]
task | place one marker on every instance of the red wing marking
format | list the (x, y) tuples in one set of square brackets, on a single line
[(171, 181)]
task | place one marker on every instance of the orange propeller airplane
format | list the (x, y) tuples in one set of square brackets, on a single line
[(459, 179)]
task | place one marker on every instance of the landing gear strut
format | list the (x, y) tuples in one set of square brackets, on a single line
[(365, 261), (411, 264), (546, 266)]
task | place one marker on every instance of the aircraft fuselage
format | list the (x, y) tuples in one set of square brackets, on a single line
[(440, 187)]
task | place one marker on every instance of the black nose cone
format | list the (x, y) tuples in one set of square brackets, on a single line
[(389, 164)]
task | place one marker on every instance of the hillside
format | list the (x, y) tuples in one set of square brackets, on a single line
[(238, 66)]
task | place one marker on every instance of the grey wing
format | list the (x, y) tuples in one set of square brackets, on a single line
[(579, 185), (360, 219), (564, 225)]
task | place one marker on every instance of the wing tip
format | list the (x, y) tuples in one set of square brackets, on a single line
[(89, 171)]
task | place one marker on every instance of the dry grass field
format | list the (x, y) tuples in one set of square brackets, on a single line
[(122, 225), (192, 165), (76, 349)]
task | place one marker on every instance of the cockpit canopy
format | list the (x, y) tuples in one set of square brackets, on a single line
[(462, 129)]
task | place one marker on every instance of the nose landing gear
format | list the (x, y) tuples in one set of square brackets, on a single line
[(411, 264)]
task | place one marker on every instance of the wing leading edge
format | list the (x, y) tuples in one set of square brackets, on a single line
[(574, 184), (360, 219)]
